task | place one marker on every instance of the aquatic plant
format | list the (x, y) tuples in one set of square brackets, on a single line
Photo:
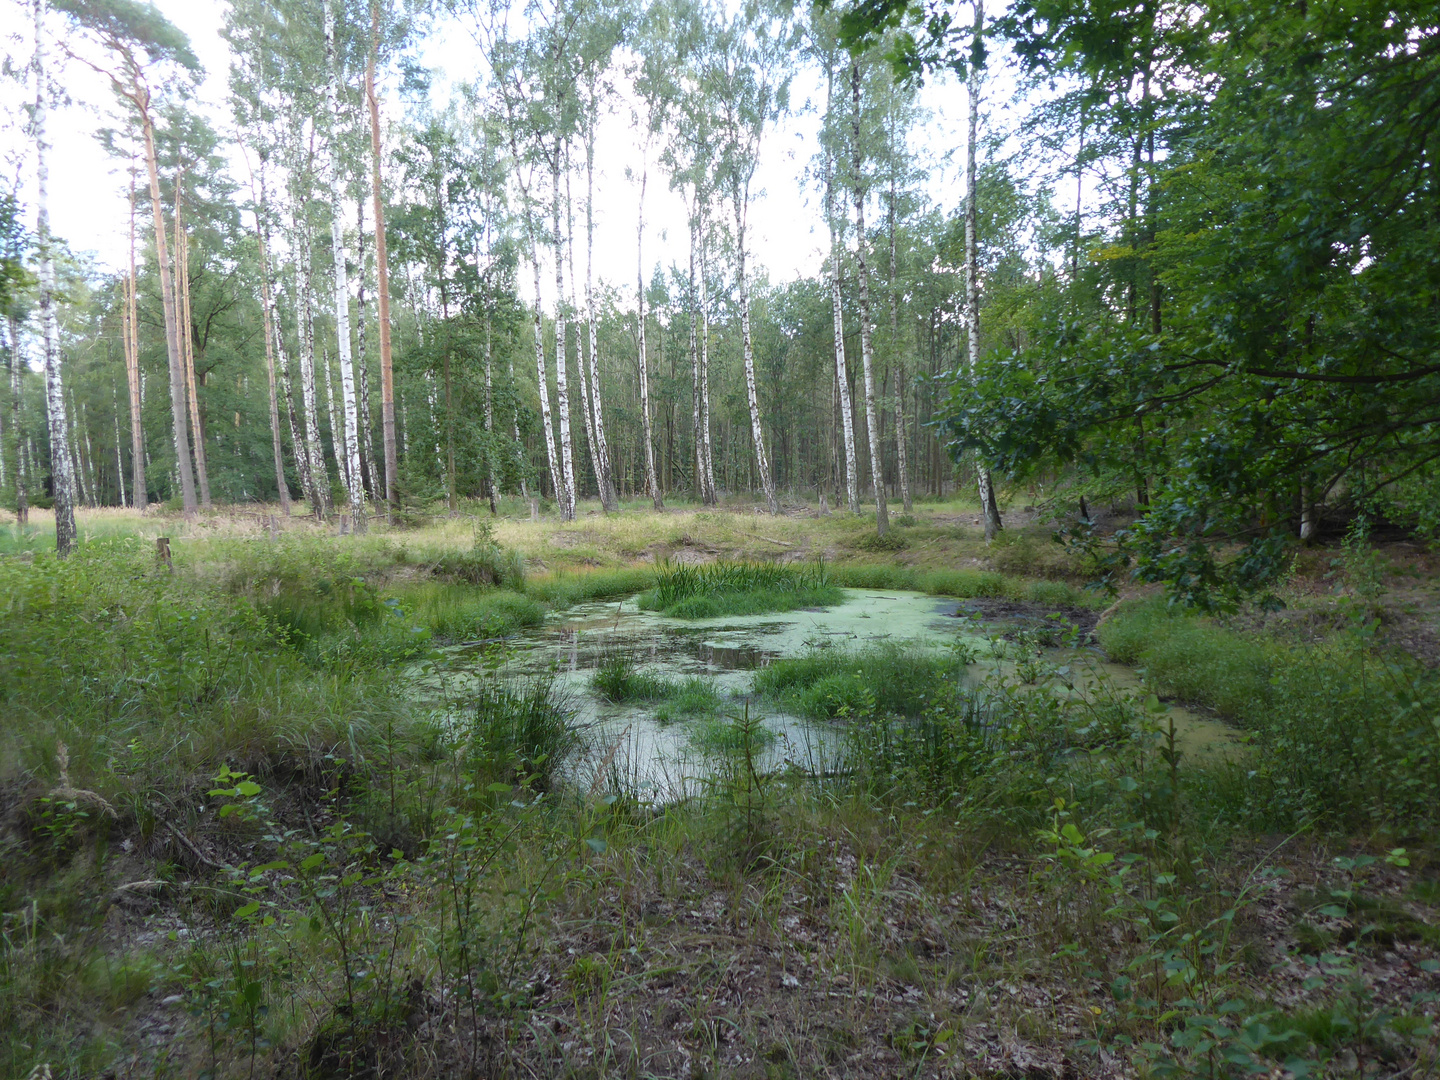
[(738, 588), (891, 679)]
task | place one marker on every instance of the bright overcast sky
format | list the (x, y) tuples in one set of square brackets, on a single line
[(87, 189)]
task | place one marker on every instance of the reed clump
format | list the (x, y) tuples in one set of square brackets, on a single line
[(739, 588)]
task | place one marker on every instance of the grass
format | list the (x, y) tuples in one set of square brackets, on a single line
[(730, 588), (1337, 719), (891, 679), (619, 680), (231, 807)]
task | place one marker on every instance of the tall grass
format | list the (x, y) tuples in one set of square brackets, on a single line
[(1340, 725), (890, 679), (561, 590), (738, 588), (619, 680), (962, 584)]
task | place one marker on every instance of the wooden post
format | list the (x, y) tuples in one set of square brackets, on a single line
[(534, 509), (344, 524), (162, 551)]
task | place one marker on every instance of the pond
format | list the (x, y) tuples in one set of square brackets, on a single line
[(666, 759)]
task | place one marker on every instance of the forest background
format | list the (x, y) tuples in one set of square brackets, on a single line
[(1172, 260)]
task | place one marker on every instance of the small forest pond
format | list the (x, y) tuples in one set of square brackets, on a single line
[(664, 758)]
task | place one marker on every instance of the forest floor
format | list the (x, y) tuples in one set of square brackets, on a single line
[(235, 855)]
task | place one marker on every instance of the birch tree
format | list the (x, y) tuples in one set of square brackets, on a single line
[(746, 72), (862, 273), (351, 439)]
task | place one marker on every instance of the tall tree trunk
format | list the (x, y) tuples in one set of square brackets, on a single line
[(515, 435), (742, 287), (362, 367), (119, 448), (605, 472), (62, 477), (187, 339), (872, 423), (695, 369), (989, 509), (708, 468), (543, 381), (353, 481), (490, 470), (319, 490), (22, 501), (382, 272), (141, 97), (566, 492), (587, 415), (651, 483), (287, 391), (262, 236), (902, 435), (842, 376), (140, 493)]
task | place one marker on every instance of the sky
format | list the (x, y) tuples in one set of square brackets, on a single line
[(89, 209)]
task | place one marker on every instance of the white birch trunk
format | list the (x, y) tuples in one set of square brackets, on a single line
[(742, 286), (119, 450), (842, 376), (605, 472), (140, 492), (543, 382), (877, 470), (269, 322), (711, 496), (63, 478), (353, 480), (588, 417), (562, 389), (319, 491), (651, 482), (362, 368)]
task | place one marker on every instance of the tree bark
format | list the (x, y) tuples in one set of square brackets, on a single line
[(319, 491), (566, 492), (62, 476), (842, 377), (353, 480), (22, 501), (872, 425), (382, 273), (989, 509), (140, 494), (187, 337), (362, 367), (141, 96), (902, 461), (605, 472), (647, 434), (711, 497), (262, 235)]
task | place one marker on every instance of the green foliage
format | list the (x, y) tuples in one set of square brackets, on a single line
[(561, 590), (1340, 728), (891, 679), (733, 588), (518, 733)]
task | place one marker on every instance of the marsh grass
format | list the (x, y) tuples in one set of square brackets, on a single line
[(732, 588), (1336, 719), (619, 679), (890, 679), (365, 887)]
